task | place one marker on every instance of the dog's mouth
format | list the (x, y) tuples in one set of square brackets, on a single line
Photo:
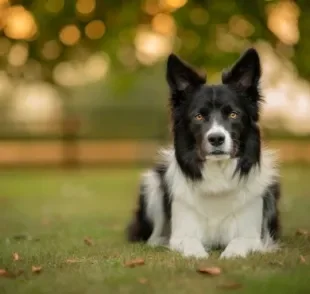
[(213, 155), (217, 152), (218, 155)]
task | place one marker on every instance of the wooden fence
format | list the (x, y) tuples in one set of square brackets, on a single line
[(100, 152)]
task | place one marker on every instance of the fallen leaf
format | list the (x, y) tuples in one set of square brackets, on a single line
[(6, 274), (88, 241), (36, 269), (135, 262), (211, 271), (16, 256), (302, 232), (302, 259), (230, 286), (142, 281), (3, 272), (45, 221), (72, 260)]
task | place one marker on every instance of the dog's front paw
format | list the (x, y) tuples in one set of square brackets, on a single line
[(157, 241), (233, 253), (241, 248), (188, 247)]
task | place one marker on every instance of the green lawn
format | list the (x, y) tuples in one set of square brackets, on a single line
[(56, 210)]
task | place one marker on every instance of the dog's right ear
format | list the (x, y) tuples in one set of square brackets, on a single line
[(181, 76)]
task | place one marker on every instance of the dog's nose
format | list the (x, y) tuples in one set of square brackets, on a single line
[(216, 139)]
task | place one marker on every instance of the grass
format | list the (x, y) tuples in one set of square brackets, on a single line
[(58, 209)]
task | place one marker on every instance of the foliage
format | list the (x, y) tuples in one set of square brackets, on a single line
[(198, 23)]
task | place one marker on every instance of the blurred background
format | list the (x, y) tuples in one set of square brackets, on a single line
[(82, 82)]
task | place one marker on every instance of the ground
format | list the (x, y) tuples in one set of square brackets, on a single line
[(45, 215)]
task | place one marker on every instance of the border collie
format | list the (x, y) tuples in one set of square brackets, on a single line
[(217, 187)]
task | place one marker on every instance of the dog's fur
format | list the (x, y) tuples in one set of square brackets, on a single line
[(217, 187)]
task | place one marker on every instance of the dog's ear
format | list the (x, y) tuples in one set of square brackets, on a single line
[(245, 73), (181, 76)]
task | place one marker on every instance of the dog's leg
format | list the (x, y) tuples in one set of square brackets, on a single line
[(246, 231), (157, 238), (186, 232), (155, 208)]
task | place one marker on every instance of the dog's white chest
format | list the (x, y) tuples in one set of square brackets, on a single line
[(221, 204), (221, 216)]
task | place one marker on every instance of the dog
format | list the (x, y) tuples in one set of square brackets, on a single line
[(217, 187)]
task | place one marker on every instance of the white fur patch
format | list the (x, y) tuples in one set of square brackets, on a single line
[(218, 211)]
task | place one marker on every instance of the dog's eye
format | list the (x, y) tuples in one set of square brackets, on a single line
[(198, 116), (233, 115)]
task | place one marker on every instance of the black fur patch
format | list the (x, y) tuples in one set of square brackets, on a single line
[(140, 229), (161, 170), (270, 211)]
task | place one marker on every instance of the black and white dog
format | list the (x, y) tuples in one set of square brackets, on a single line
[(217, 187)]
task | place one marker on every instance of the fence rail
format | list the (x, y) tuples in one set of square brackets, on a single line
[(96, 152)]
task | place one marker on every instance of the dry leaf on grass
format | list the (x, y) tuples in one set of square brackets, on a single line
[(88, 241), (3, 273), (36, 269), (45, 221), (15, 256), (302, 259), (302, 232), (6, 274), (211, 271), (135, 262), (142, 281), (72, 260), (230, 286)]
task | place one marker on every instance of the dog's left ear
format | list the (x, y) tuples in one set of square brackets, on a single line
[(245, 73)]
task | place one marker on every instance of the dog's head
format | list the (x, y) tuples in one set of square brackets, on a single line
[(216, 122)]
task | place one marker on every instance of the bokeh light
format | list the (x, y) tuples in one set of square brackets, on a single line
[(20, 23), (164, 24), (70, 35), (85, 6), (96, 67), (172, 4), (51, 50), (283, 21), (151, 46), (18, 54), (37, 106), (240, 26), (151, 7), (95, 29)]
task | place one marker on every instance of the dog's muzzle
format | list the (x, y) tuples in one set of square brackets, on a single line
[(217, 144)]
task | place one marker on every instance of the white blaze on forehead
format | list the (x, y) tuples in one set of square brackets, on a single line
[(216, 128)]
